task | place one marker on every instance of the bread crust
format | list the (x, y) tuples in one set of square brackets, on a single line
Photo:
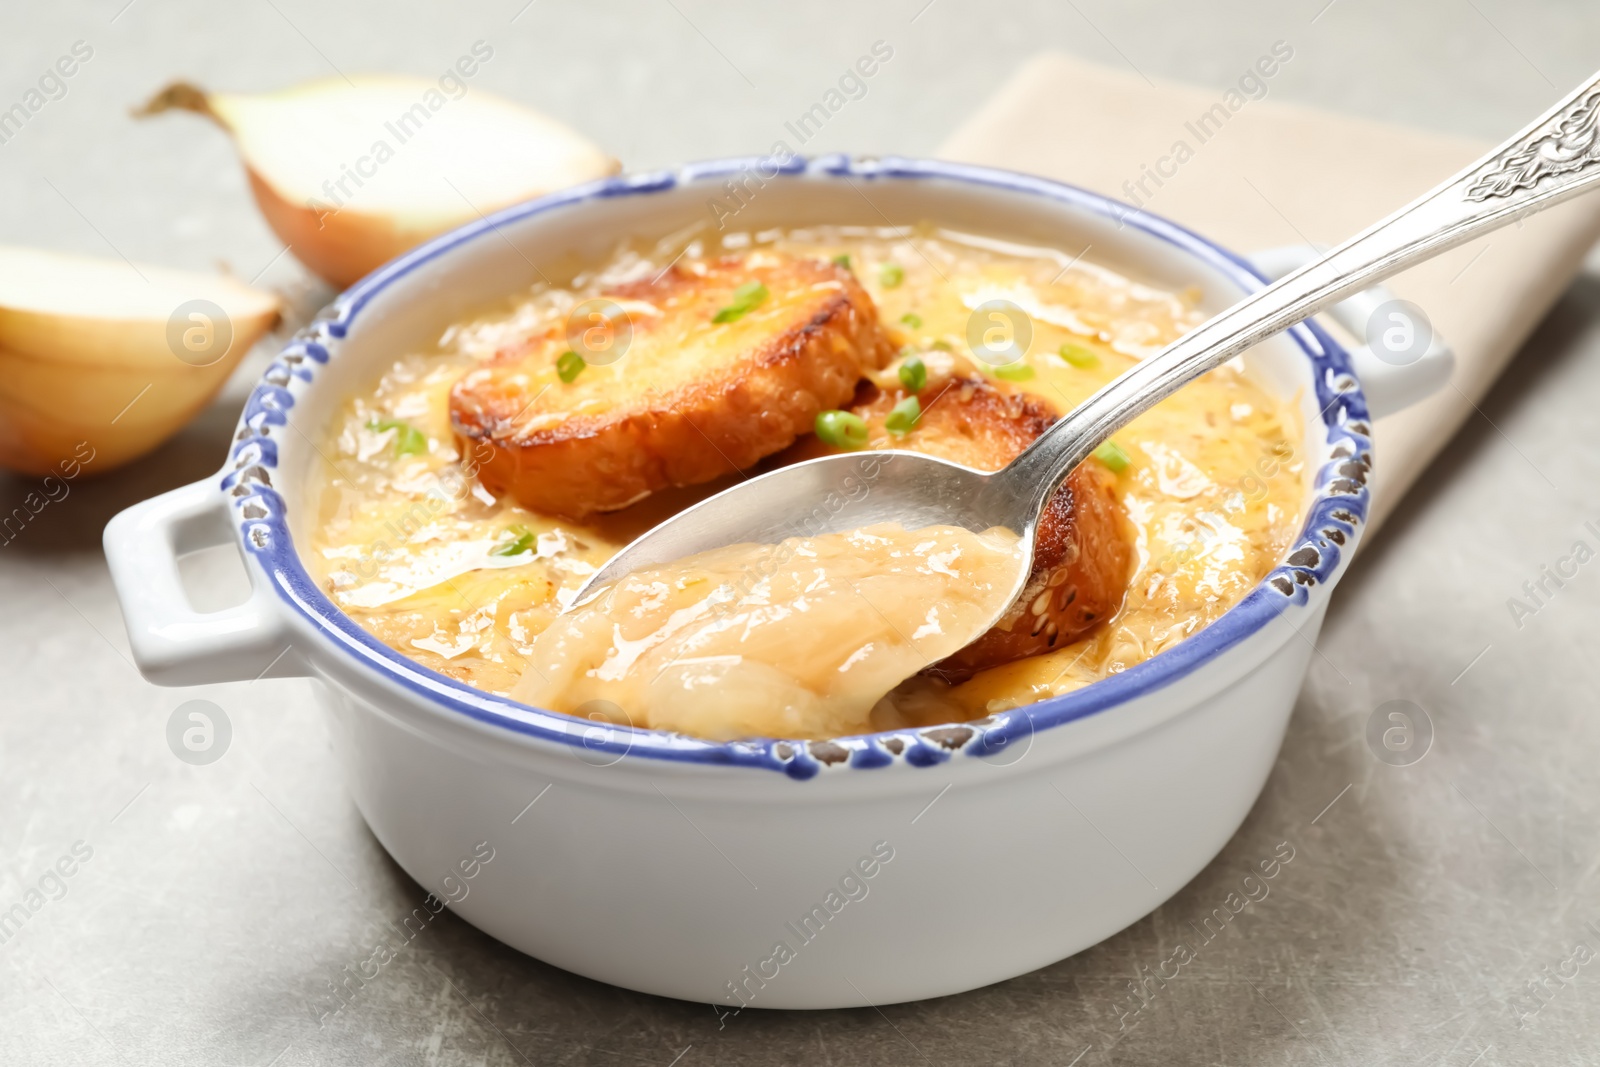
[(689, 401), (1083, 553)]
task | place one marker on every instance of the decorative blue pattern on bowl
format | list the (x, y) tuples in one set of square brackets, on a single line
[(1338, 507)]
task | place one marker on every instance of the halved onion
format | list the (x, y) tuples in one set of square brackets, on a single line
[(349, 174), (113, 354)]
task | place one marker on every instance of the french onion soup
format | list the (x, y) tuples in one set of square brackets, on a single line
[(472, 488)]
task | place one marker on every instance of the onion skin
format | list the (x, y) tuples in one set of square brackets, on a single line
[(48, 407), (340, 247)]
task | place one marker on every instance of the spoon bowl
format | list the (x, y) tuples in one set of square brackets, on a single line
[(834, 494)]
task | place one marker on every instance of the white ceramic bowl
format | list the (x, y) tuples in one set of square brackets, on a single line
[(888, 867)]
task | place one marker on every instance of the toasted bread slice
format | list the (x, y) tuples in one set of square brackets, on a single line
[(690, 398), (1082, 558)]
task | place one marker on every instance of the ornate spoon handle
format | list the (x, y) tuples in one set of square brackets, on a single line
[(1555, 158)]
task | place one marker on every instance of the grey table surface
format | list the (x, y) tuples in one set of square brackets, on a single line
[(1433, 913)]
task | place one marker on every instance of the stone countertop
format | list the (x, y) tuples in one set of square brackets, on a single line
[(213, 907)]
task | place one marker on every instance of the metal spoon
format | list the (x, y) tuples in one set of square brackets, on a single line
[(1555, 158)]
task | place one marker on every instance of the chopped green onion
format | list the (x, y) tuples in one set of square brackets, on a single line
[(408, 440), (1112, 455), (912, 319), (842, 260), (569, 366), (842, 429), (1014, 372), (903, 417), (746, 298), (1078, 355), (522, 542), (914, 374), (890, 275), (942, 345)]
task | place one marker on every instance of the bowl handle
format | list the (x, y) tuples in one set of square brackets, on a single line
[(172, 643), (1389, 385)]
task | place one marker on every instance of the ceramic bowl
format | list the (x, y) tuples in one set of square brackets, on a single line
[(778, 874)]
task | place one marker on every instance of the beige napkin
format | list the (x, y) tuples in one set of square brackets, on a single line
[(1273, 174)]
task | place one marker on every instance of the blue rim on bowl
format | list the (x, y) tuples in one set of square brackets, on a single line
[(1338, 507)]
